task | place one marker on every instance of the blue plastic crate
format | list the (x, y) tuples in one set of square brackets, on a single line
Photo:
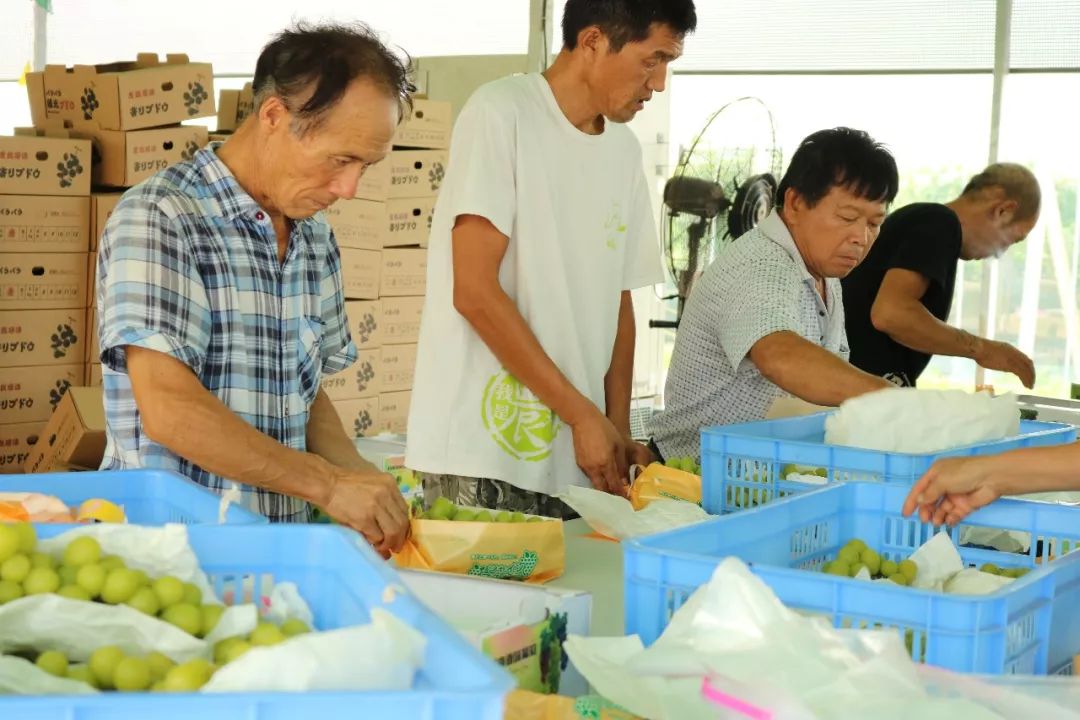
[(149, 497), (1031, 626), (342, 580), (741, 464)]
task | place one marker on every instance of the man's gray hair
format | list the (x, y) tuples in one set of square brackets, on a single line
[(1016, 181)]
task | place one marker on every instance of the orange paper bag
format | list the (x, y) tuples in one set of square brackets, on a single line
[(660, 481), (534, 552), (524, 705)]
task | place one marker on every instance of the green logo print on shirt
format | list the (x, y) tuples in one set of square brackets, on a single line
[(519, 423), (614, 227)]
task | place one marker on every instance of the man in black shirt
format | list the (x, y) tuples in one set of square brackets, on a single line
[(896, 303)]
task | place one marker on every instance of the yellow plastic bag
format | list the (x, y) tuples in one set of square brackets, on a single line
[(660, 481), (534, 552), (524, 705)]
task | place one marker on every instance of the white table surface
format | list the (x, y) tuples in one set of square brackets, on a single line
[(595, 566)]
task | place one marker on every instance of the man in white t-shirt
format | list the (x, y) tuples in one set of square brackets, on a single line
[(543, 227)]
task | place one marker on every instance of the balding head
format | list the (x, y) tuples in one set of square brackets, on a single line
[(997, 209), (1007, 181)]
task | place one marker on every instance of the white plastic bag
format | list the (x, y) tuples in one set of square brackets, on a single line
[(906, 420), (77, 628), (384, 654), (19, 676), (735, 631), (615, 517)]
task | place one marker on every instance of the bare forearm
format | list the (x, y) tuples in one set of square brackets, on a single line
[(180, 414), (496, 319), (810, 372), (910, 324), (1031, 470), (619, 381), (326, 437)]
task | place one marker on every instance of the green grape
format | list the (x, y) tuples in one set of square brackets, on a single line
[(82, 673), (266, 634), (211, 614), (41, 581), (192, 594), (839, 568), (849, 555), (169, 591), (872, 561), (103, 662), (91, 578), (10, 591), (293, 626), (16, 568), (145, 601), (120, 585), (442, 509), (81, 551), (74, 592), (132, 674), (53, 662), (184, 616)]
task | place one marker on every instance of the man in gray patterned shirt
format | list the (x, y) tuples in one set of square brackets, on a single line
[(767, 319)]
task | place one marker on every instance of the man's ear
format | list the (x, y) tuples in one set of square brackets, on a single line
[(794, 201), (592, 41), (1005, 210), (273, 114)]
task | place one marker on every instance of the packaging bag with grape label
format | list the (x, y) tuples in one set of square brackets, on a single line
[(678, 480), (473, 541)]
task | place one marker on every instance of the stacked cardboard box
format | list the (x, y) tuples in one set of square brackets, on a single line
[(105, 126), (383, 233), (44, 244), (233, 108), (101, 208), (74, 438), (130, 110)]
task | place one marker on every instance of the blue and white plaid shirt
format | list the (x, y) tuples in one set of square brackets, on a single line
[(188, 266)]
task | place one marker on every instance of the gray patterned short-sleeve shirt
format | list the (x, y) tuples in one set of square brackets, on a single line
[(758, 286)]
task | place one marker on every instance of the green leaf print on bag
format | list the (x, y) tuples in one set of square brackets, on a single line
[(519, 423)]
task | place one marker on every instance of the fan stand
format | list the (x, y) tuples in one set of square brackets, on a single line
[(694, 234)]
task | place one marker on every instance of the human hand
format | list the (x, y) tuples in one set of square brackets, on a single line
[(951, 490), (638, 454), (600, 451), (994, 355), (371, 504)]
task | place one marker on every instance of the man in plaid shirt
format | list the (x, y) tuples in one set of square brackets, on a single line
[(220, 294)]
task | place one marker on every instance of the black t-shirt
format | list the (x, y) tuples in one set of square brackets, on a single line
[(924, 238)]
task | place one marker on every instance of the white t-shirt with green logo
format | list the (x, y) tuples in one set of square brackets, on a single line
[(576, 208)]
